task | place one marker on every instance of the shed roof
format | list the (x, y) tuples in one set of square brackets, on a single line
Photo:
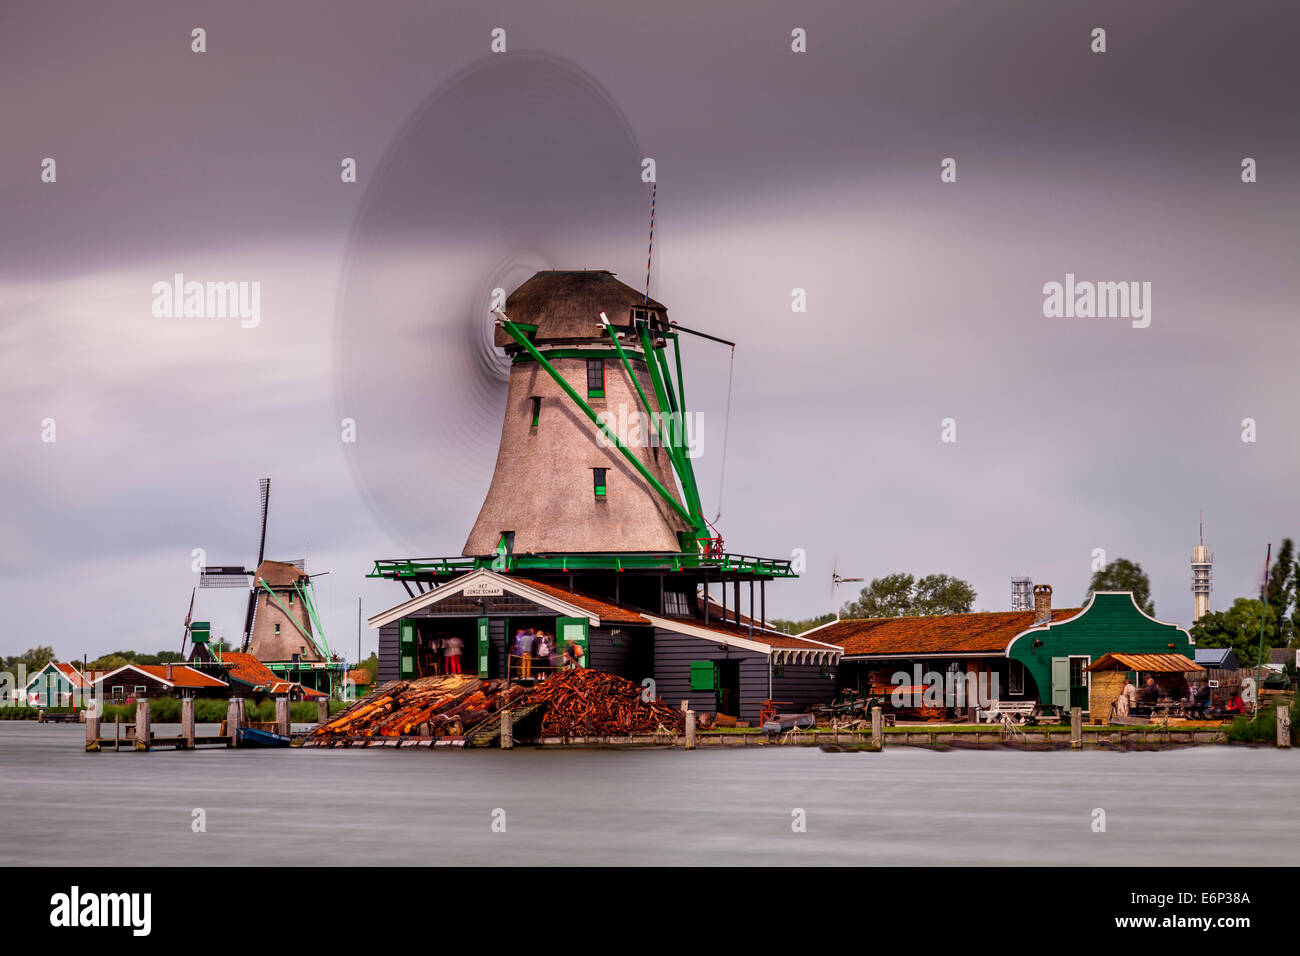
[(182, 675), (1212, 656), (608, 612), (247, 669), (1147, 663), (566, 305), (985, 632)]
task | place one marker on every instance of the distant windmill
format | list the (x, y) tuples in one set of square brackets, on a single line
[(278, 623), (836, 579), (188, 616)]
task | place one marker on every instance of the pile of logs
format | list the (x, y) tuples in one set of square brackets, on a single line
[(428, 707), (591, 703)]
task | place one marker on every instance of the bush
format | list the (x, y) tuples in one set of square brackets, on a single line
[(1264, 728)]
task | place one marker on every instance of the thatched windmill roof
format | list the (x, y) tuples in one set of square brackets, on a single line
[(566, 306)]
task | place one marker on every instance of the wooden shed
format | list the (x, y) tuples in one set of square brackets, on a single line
[(1110, 671)]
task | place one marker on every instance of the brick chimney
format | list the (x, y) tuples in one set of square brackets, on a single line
[(169, 670), (1042, 603)]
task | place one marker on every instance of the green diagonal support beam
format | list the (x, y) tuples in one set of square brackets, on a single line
[(686, 474), (292, 620), (657, 420), (517, 334), (679, 410), (311, 610)]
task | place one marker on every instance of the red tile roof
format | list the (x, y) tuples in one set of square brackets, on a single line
[(181, 675), (607, 612), (71, 673), (247, 669), (981, 633), (360, 676)]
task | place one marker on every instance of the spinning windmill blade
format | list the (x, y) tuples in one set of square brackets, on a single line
[(238, 577), (456, 210), (189, 615)]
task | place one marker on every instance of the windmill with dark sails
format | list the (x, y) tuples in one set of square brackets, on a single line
[(281, 625)]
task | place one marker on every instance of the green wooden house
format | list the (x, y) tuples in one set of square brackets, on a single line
[(1055, 654)]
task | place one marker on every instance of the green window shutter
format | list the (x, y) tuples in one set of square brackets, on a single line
[(484, 647), (406, 648), (598, 476), (572, 639), (1060, 682), (702, 675)]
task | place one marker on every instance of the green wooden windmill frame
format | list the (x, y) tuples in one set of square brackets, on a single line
[(691, 515)]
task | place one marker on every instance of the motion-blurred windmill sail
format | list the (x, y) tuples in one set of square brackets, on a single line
[(239, 577)]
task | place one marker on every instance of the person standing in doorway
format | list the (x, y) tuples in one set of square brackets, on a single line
[(452, 647), (543, 652)]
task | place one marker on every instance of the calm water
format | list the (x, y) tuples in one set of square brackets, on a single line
[(60, 805)]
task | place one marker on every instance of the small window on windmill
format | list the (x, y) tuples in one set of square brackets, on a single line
[(537, 410), (595, 378), (598, 481), (639, 315), (277, 630), (291, 599)]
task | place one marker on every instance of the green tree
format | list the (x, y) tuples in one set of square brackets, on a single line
[(798, 627), (1281, 594), (109, 662), (901, 595), (1123, 575), (943, 594), (32, 659), (1237, 628)]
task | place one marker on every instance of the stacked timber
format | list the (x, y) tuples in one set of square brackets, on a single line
[(427, 707), (591, 703)]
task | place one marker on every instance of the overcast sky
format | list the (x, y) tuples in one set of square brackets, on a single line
[(776, 170)]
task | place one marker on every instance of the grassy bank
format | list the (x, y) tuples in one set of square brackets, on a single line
[(1263, 729)]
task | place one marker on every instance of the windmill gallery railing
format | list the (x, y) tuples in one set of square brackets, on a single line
[(426, 569)]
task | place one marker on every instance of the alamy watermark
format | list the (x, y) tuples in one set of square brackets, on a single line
[(635, 429), (931, 688), (179, 299), (1101, 300)]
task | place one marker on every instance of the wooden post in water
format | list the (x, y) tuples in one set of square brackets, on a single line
[(507, 730), (142, 733), (234, 713), (323, 711), (1283, 726), (877, 728), (92, 727), (187, 722), (1076, 728), (282, 716), (690, 730)]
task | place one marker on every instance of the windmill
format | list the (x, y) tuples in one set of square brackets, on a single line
[(280, 622), (836, 580)]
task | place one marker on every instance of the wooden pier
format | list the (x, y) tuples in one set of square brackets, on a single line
[(140, 736)]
